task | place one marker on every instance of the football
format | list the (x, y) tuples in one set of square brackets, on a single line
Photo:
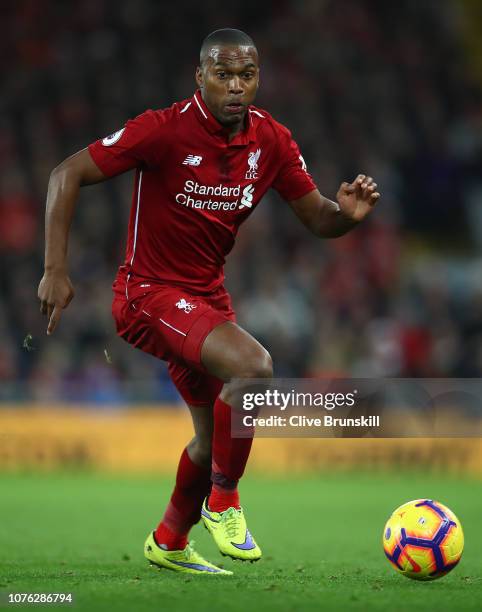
[(423, 539)]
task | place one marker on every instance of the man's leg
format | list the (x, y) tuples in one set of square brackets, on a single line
[(193, 483), (153, 320), (229, 352), (167, 547)]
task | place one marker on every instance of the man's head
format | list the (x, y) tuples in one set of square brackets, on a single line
[(228, 75)]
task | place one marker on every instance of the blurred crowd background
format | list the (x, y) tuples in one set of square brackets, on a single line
[(391, 89)]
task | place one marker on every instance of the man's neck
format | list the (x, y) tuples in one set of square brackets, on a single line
[(231, 130)]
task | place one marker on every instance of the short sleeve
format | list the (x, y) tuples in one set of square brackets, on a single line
[(293, 180), (137, 144)]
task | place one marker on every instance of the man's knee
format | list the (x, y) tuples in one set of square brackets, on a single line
[(257, 365), (230, 352), (199, 450)]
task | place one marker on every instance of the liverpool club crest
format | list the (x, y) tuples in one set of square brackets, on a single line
[(253, 158)]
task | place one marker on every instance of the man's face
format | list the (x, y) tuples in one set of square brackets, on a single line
[(229, 78)]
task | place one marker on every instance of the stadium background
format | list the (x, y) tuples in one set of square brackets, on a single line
[(392, 89)]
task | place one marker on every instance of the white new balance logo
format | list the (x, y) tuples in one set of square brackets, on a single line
[(247, 199), (192, 160), (186, 306)]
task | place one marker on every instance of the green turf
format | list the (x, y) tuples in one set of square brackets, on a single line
[(320, 536)]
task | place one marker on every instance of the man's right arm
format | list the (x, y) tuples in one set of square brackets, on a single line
[(55, 290), (139, 143)]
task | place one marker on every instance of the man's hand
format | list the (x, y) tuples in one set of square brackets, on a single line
[(328, 219), (357, 199), (55, 293)]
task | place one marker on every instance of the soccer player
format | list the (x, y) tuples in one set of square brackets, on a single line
[(202, 166)]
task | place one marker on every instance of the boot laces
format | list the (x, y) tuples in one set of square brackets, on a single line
[(231, 522)]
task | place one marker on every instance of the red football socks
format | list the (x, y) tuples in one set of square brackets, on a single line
[(230, 456), (184, 509), (169, 539), (222, 499), (193, 482)]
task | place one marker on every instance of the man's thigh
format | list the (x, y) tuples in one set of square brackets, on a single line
[(172, 325), (197, 388), (168, 322)]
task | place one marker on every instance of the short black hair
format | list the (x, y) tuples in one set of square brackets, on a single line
[(226, 36)]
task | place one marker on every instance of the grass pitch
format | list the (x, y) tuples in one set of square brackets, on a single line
[(321, 539)]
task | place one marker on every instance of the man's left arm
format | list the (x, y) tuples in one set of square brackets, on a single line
[(328, 219)]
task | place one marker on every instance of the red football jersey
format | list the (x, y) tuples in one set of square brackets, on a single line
[(193, 188)]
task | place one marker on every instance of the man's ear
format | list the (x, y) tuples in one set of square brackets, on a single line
[(199, 77)]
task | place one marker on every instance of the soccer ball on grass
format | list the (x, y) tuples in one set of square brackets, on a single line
[(423, 539)]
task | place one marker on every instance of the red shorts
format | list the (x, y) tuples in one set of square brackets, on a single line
[(172, 324)]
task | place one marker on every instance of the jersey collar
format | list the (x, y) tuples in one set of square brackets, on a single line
[(212, 125)]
